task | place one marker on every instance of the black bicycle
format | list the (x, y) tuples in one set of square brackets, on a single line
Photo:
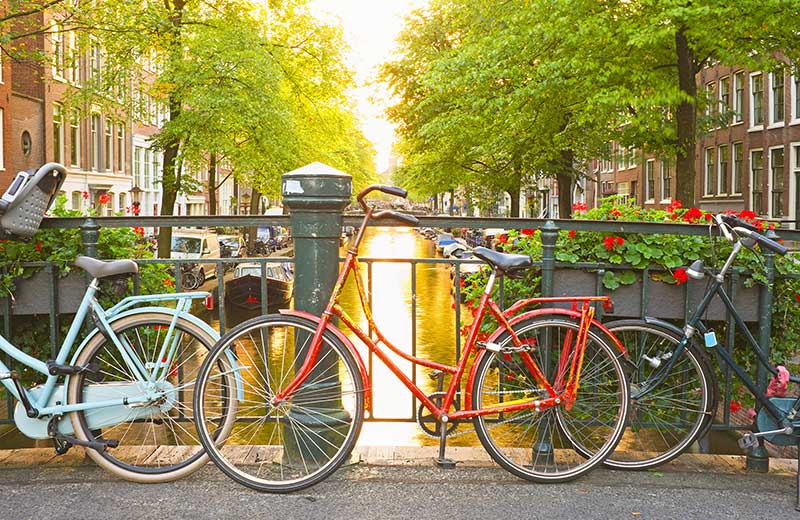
[(674, 391)]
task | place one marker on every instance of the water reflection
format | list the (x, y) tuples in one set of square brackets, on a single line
[(392, 303)]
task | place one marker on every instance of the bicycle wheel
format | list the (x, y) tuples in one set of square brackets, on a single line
[(157, 441), (664, 422), (540, 446), (296, 443)]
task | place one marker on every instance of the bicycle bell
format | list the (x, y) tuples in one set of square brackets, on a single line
[(696, 271)]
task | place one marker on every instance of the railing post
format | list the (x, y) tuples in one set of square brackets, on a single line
[(549, 237), (90, 233), (758, 458), (316, 195)]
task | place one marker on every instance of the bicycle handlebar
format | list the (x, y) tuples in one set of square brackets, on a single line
[(728, 222), (389, 190)]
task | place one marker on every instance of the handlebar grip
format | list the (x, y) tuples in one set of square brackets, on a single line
[(734, 221), (410, 219), (769, 244), (397, 191)]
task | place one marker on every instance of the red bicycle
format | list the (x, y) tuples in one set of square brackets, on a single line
[(546, 391)]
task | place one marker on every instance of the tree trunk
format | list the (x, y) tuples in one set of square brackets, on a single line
[(171, 173), (564, 179), (212, 184), (686, 119)]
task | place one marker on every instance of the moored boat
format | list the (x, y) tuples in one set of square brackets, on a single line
[(243, 291)]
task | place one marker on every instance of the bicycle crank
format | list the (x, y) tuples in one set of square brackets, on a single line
[(429, 424)]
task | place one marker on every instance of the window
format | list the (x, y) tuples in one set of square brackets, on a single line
[(58, 133), (109, 146), (74, 138), (776, 165), (757, 100), (738, 164), (709, 99), (757, 180), (72, 70), (709, 172), (156, 168), (649, 180), (722, 172), (777, 105), (59, 60), (622, 158), (631, 157), (738, 97), (138, 152), (724, 95), (146, 167), (95, 143), (120, 154), (121, 203), (796, 94), (666, 179), (76, 199), (94, 62)]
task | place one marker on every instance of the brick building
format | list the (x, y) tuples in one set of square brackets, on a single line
[(750, 162)]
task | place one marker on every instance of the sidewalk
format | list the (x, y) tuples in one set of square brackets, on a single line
[(402, 483)]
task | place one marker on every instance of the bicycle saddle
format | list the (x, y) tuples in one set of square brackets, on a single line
[(513, 266), (101, 269)]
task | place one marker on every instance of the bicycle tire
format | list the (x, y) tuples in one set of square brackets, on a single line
[(533, 445), (284, 447), (658, 428), (169, 424), (189, 280)]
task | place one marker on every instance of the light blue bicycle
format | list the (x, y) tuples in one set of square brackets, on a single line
[(129, 385)]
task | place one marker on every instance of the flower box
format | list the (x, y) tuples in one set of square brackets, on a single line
[(32, 295), (665, 301)]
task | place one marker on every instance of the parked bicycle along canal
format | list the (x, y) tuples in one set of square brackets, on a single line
[(392, 301)]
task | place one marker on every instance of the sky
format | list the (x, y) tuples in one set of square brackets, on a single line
[(370, 29)]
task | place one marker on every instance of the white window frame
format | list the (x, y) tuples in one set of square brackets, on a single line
[(720, 173), (753, 125), (75, 138), (774, 123), (733, 167), (794, 171), (58, 140), (768, 162), (738, 104), (95, 141), (631, 151), (710, 87), (708, 172), (58, 53), (725, 107), (752, 151), (649, 176), (665, 195), (794, 80)]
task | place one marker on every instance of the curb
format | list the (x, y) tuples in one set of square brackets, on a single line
[(415, 456)]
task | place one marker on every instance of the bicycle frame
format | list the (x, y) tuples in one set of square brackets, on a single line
[(104, 317), (567, 380), (695, 325)]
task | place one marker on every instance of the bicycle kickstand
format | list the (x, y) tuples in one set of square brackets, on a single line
[(442, 461)]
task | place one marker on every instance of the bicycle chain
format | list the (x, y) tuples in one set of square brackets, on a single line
[(472, 430)]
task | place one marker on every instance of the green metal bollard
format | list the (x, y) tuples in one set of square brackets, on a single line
[(90, 233), (543, 449), (757, 459), (316, 195)]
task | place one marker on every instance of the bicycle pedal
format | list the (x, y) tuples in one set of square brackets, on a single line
[(748, 441)]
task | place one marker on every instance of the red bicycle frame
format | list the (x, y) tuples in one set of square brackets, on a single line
[(563, 389)]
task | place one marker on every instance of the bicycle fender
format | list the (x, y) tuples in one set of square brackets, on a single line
[(532, 314), (345, 341), (142, 310), (664, 325)]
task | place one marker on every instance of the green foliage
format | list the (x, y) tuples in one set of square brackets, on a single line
[(666, 256)]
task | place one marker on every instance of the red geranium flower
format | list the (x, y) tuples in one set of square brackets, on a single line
[(105, 198), (579, 206), (615, 212), (797, 297), (735, 406), (612, 242), (168, 282), (139, 231), (747, 214), (680, 276), (39, 246), (85, 195), (503, 238), (527, 232), (709, 216), (619, 240), (572, 233), (692, 216), (675, 204)]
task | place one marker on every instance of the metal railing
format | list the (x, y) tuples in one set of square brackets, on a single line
[(91, 227)]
